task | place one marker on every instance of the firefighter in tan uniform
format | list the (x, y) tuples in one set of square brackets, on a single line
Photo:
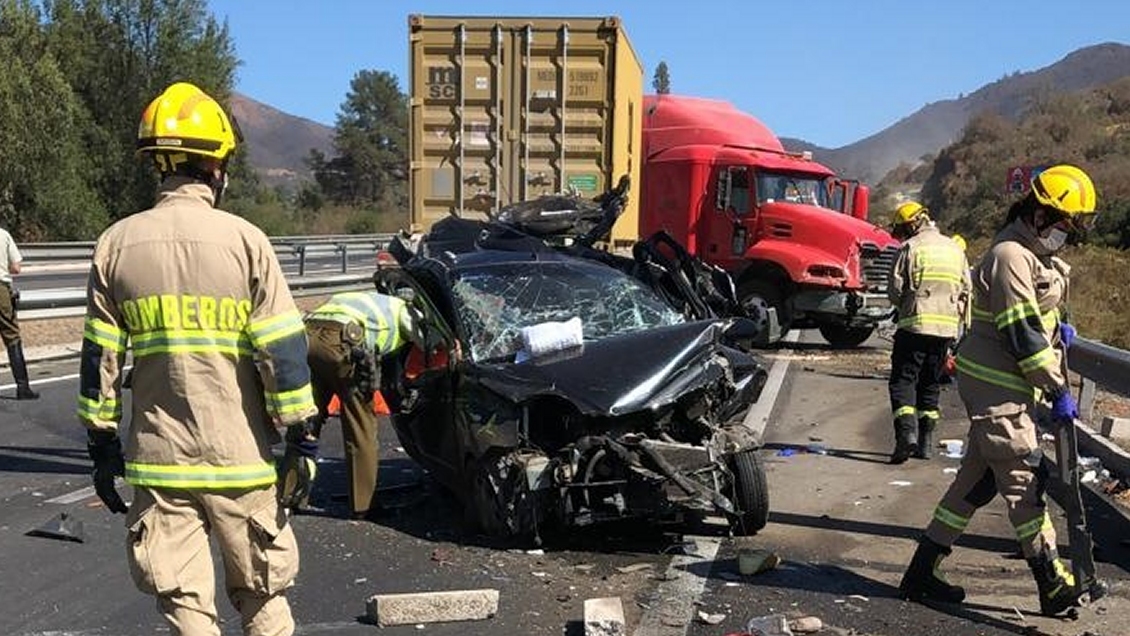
[(219, 361), (929, 287), (348, 337), (1011, 357)]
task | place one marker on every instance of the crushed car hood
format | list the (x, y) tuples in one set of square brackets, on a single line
[(626, 374)]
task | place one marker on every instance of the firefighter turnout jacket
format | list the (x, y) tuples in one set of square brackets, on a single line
[(1013, 344), (219, 348), (929, 284)]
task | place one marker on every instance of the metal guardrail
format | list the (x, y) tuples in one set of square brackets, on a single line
[(1098, 365), (296, 246), (39, 304)]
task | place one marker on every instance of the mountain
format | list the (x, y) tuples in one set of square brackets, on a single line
[(936, 125), (278, 143)]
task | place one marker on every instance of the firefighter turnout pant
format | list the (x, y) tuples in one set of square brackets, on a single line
[(915, 385), (1001, 457), (331, 373), (169, 557)]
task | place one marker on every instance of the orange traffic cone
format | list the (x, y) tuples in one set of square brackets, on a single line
[(380, 407)]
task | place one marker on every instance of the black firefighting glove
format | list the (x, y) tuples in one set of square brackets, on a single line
[(365, 373), (299, 465), (105, 449)]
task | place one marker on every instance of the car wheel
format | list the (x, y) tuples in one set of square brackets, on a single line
[(756, 298), (845, 337), (482, 505), (750, 492)]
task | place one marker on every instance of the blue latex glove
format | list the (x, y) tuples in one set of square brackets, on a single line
[(1066, 335), (1064, 408)]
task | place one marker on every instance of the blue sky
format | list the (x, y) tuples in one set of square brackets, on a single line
[(826, 71)]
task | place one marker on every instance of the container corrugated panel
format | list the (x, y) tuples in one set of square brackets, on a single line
[(508, 109)]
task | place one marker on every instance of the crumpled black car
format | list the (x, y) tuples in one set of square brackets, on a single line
[(637, 415)]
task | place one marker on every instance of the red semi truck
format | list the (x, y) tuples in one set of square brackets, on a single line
[(793, 235)]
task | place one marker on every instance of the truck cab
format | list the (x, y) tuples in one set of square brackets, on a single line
[(792, 233)]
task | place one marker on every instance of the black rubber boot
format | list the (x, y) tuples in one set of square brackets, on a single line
[(926, 426), (906, 439), (923, 581), (1059, 591), (19, 372)]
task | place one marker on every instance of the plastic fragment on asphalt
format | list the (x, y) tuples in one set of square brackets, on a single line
[(604, 617), (949, 471), (710, 619), (900, 482), (859, 597), (432, 607), (772, 625), (806, 625)]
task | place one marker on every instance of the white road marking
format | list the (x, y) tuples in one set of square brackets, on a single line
[(42, 381), (672, 606), (73, 497), (757, 417)]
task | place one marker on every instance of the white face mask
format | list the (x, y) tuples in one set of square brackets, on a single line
[(1054, 240)]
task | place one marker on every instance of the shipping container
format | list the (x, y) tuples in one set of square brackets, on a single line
[(508, 109)]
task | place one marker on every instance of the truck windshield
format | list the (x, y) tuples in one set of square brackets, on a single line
[(792, 188)]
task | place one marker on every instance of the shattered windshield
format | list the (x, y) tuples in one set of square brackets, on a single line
[(496, 302), (793, 188)]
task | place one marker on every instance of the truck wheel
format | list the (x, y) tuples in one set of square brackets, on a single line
[(845, 337), (756, 297), (750, 493)]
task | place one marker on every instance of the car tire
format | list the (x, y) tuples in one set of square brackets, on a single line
[(844, 336), (749, 494)]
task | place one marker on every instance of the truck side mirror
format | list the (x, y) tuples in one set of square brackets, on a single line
[(724, 191), (859, 201)]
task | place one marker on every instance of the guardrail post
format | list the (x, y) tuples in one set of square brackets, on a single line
[(344, 247), (1087, 399), (301, 249)]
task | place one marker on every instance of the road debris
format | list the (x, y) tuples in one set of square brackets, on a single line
[(806, 625), (62, 527), (752, 562), (772, 625), (901, 482), (604, 617), (710, 619), (635, 567), (432, 607)]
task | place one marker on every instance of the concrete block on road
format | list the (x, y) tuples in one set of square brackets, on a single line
[(432, 607), (1116, 428), (604, 617)]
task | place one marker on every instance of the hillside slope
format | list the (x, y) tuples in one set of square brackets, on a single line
[(277, 142), (939, 124)]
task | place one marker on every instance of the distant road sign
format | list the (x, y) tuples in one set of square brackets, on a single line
[(1019, 178)]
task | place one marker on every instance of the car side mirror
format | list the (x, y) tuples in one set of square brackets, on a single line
[(741, 329)]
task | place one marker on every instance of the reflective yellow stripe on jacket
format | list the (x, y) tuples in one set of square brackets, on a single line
[(98, 336), (278, 332), (200, 477), (377, 313)]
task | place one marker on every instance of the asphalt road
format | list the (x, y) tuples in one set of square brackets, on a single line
[(843, 522)]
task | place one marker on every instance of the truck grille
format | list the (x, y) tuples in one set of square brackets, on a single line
[(875, 264)]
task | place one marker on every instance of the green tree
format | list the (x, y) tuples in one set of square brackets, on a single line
[(370, 140), (43, 189), (117, 55), (661, 82)]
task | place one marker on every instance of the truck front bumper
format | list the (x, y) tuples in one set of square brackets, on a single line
[(850, 307)]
